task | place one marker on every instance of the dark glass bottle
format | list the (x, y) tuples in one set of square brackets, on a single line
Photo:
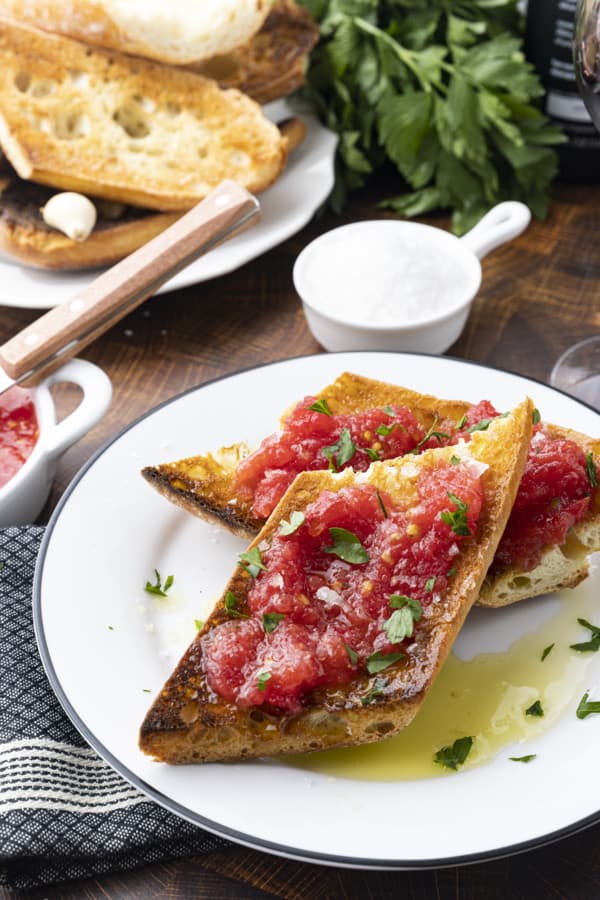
[(549, 46)]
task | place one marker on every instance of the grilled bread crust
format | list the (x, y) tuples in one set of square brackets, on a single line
[(273, 63), (126, 129), (205, 485), (168, 35), (189, 723), (25, 236)]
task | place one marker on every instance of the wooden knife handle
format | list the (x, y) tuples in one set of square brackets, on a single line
[(60, 333)]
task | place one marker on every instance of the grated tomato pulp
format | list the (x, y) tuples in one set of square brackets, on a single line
[(18, 431), (555, 492), (341, 594)]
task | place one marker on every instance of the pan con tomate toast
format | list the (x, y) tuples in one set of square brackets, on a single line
[(342, 611), (554, 526)]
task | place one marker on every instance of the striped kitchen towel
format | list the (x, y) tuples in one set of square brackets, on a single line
[(64, 813)]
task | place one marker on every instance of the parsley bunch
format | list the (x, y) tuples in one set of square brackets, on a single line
[(442, 90)]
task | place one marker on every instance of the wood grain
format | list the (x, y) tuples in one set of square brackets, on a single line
[(540, 293)]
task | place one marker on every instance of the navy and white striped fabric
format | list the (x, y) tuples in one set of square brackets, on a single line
[(64, 813)]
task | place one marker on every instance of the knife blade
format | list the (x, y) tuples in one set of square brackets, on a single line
[(49, 341)]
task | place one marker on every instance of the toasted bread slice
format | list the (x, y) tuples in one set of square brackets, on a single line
[(25, 236), (273, 63), (181, 31), (125, 129), (205, 486), (188, 722)]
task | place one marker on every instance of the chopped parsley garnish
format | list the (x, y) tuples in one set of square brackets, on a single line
[(379, 661), (158, 588), (400, 624), (587, 707), (296, 520), (372, 454), (523, 759), (341, 452), (352, 654), (262, 679), (535, 710), (593, 644), (535, 416), (385, 430), (376, 691), (438, 435), (252, 562), (454, 756), (457, 520), (271, 621), (461, 422), (381, 504), (546, 651), (482, 425), (591, 469), (146, 691), (430, 584), (450, 573), (347, 546), (321, 406), (388, 411), (455, 460), (231, 606), (110, 627), (199, 624)]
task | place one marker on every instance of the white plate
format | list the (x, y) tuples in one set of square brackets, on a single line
[(105, 642), (285, 208)]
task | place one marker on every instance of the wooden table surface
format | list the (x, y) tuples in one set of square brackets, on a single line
[(540, 293)]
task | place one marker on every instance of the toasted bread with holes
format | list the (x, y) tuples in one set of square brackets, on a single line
[(273, 63), (179, 32), (189, 722), (205, 486), (126, 129), (119, 229)]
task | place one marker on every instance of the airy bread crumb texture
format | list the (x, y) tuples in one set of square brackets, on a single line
[(177, 31), (112, 126)]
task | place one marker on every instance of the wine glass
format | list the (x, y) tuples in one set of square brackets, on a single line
[(577, 371)]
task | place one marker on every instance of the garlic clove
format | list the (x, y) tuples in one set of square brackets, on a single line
[(73, 214)]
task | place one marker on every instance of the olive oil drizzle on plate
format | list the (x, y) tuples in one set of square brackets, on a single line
[(484, 697)]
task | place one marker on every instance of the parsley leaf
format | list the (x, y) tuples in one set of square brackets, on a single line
[(431, 432), (381, 504), (347, 546), (296, 520), (430, 584), (535, 710), (271, 621), (461, 422), (587, 707), (158, 589), (199, 624), (546, 651), (482, 425), (341, 452), (376, 691), (454, 756), (455, 460), (231, 606), (591, 469), (262, 679), (457, 520), (591, 646), (536, 417), (252, 562), (379, 661), (523, 759), (321, 406), (352, 654), (372, 454), (400, 624), (385, 430)]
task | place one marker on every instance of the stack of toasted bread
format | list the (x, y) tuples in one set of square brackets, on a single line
[(144, 136)]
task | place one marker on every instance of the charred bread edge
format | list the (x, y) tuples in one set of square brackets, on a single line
[(337, 717)]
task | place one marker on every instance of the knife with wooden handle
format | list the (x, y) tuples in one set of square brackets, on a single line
[(47, 343)]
